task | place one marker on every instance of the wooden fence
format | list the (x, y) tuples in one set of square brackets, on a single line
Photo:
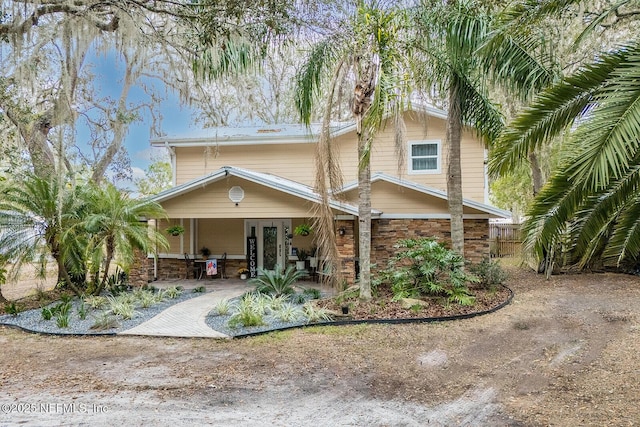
[(505, 240)]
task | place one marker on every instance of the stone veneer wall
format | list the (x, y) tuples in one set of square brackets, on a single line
[(171, 268), (141, 271), (347, 250), (386, 232)]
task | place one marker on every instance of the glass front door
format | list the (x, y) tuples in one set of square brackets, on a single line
[(270, 244)]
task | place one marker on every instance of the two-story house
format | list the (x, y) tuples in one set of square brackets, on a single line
[(242, 192)]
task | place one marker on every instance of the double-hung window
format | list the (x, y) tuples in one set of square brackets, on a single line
[(424, 157)]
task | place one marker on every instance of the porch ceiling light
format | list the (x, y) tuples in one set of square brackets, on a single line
[(236, 194)]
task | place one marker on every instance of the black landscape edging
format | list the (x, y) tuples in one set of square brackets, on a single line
[(389, 321), (306, 325), (59, 334)]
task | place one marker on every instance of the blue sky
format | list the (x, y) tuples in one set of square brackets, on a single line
[(177, 119)]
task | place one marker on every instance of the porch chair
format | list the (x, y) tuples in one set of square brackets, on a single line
[(222, 264), (192, 267)]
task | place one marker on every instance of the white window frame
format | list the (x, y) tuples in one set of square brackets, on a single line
[(438, 168)]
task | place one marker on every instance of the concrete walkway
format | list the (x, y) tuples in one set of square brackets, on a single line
[(187, 319)]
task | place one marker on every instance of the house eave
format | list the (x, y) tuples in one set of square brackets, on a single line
[(285, 186), (492, 211)]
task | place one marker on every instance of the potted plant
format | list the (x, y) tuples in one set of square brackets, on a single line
[(303, 230), (302, 258), (313, 259), (175, 230), (205, 252), (243, 272)]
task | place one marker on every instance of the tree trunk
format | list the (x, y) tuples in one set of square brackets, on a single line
[(364, 215), (536, 173), (454, 171), (63, 274), (107, 265)]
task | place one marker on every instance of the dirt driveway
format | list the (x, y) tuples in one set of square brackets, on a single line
[(566, 352)]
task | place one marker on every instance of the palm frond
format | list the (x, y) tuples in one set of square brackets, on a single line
[(320, 61), (609, 136), (553, 111)]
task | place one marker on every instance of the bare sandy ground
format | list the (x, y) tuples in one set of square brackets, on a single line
[(28, 281), (565, 353)]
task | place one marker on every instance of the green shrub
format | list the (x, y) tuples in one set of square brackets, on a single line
[(172, 292), (46, 313), (199, 289), (288, 313), (146, 299), (121, 306), (105, 321), (13, 309), (82, 311), (62, 308), (62, 320), (489, 273), (256, 302), (222, 308), (314, 314), (298, 298), (117, 282), (275, 282), (425, 267), (246, 315), (95, 301), (313, 293), (276, 303)]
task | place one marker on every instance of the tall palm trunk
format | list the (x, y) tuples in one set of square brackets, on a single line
[(364, 215), (454, 170)]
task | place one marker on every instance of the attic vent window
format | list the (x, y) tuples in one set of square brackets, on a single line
[(236, 194)]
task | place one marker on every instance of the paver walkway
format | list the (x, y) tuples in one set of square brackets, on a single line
[(187, 319)]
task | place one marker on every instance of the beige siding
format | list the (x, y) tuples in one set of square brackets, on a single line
[(213, 201), (296, 161), (221, 235), (385, 159), (393, 199), (293, 161), (177, 244)]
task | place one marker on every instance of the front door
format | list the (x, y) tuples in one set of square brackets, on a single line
[(270, 245)]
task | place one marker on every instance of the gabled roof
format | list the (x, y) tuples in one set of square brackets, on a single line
[(269, 134), (268, 180), (380, 176)]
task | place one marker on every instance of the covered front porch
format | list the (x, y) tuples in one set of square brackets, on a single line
[(235, 243), (244, 219)]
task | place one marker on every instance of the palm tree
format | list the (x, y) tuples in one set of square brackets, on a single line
[(369, 56), (35, 216), (116, 224), (589, 208), (449, 36)]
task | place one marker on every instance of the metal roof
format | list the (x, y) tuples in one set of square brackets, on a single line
[(268, 134)]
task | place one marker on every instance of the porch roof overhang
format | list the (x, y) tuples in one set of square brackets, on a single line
[(274, 182), (380, 176)]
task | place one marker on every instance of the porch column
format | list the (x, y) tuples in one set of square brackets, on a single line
[(345, 240)]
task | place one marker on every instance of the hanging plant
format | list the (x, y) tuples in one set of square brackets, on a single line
[(175, 230), (303, 230)]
